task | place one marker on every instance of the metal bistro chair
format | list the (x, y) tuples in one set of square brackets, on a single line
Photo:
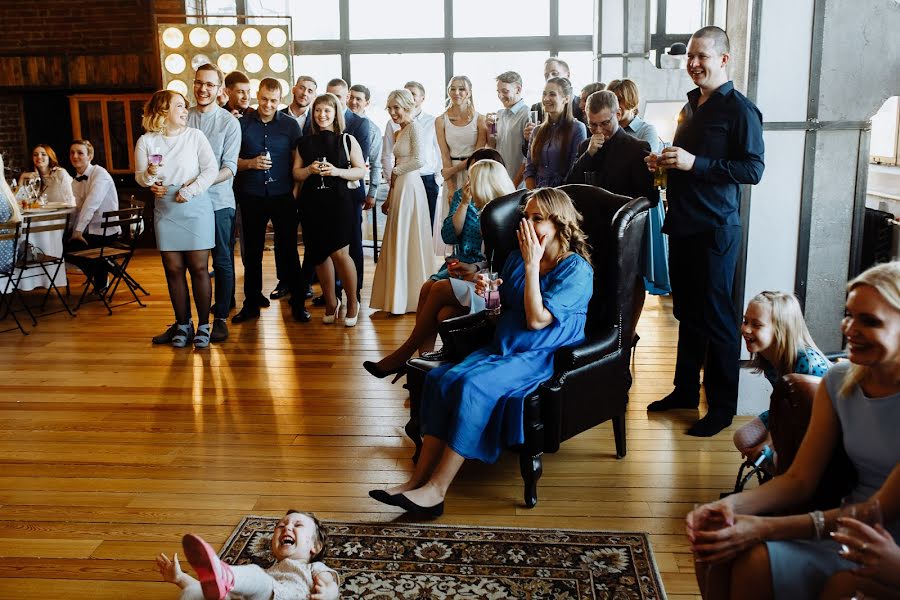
[(116, 255), (10, 233), (29, 258)]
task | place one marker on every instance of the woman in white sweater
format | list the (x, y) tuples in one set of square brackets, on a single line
[(177, 163)]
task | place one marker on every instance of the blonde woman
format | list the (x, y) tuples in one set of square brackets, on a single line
[(53, 179), (9, 217), (451, 292), (473, 409), (177, 163), (406, 258), (741, 555)]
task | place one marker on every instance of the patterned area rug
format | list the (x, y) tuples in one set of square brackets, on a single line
[(385, 561)]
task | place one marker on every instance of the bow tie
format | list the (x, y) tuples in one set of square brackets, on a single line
[(81, 178)]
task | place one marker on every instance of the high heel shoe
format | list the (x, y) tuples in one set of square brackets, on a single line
[(375, 370), (351, 321), (329, 319)]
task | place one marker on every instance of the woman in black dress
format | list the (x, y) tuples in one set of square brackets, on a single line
[(327, 161)]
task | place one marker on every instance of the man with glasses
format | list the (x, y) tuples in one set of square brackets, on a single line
[(610, 158), (224, 135)]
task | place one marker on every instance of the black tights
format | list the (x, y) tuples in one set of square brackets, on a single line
[(197, 262)]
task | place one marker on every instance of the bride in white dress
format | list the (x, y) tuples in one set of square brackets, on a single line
[(406, 259)]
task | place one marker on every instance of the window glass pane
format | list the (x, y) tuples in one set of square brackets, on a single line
[(310, 22), (654, 9), (118, 136), (610, 68), (683, 16), (91, 117), (383, 73), (321, 67), (576, 17), (482, 68), (500, 18), (221, 7), (884, 130), (395, 19), (581, 64)]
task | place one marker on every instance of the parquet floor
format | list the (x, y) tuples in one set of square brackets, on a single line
[(111, 449)]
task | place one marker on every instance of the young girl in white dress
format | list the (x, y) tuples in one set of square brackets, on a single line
[(407, 259)]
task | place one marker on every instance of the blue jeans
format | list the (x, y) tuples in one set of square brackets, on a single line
[(223, 262)]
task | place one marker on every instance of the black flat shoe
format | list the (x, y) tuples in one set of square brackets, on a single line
[(279, 293), (432, 512), (383, 497), (373, 369), (246, 314), (299, 313)]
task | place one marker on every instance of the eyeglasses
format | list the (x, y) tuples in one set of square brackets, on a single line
[(205, 84), (593, 126)]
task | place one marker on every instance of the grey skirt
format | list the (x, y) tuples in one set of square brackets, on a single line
[(183, 226)]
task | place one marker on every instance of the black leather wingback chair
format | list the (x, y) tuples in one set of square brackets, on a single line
[(591, 380)]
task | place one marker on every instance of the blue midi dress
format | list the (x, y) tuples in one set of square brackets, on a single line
[(869, 427), (476, 406)]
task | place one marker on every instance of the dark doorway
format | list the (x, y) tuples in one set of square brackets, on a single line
[(48, 121)]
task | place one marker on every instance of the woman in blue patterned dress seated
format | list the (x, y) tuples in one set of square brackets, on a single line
[(451, 291), (9, 218), (741, 555), (474, 409)]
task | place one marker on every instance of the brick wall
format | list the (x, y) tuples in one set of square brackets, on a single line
[(12, 133)]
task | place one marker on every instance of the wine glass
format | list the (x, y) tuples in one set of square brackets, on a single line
[(661, 174), (451, 258), (322, 186), (867, 511), (533, 117), (491, 292), (268, 156)]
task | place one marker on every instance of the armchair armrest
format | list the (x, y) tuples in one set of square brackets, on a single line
[(569, 358), (463, 335)]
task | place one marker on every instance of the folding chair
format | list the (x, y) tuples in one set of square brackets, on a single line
[(28, 259), (10, 233), (116, 255)]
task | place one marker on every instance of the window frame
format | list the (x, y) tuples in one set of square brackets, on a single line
[(889, 161)]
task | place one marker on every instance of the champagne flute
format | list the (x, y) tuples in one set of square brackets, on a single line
[(268, 156), (322, 186), (867, 511)]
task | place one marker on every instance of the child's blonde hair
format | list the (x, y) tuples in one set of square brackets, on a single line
[(791, 334)]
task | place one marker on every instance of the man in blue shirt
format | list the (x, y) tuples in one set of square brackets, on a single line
[(717, 147), (265, 186)]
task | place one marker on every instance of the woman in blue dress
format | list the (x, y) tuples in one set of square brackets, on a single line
[(741, 555), (474, 409), (442, 296)]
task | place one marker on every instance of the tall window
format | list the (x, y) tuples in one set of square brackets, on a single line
[(886, 133)]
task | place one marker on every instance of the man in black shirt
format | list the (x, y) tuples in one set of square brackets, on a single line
[(718, 146), (611, 158)]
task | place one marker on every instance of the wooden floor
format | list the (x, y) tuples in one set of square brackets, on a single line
[(111, 448)]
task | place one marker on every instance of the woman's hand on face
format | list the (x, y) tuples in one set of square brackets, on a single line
[(531, 247), (466, 193), (872, 548)]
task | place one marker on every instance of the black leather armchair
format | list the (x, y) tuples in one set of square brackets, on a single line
[(591, 380)]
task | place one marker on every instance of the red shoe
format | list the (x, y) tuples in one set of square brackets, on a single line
[(216, 577)]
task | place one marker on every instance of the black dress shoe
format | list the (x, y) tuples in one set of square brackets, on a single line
[(675, 400), (280, 292), (375, 370), (248, 313), (261, 302), (432, 512), (383, 497), (714, 422), (309, 293), (299, 313)]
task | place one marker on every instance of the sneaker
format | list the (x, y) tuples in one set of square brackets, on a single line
[(166, 337), (201, 338), (183, 335), (219, 331)]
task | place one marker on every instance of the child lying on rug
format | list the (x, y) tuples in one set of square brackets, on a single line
[(298, 545)]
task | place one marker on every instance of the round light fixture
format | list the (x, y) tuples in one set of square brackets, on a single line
[(227, 62), (172, 37), (278, 63), (284, 86), (251, 37), (276, 37), (225, 37), (177, 85), (199, 37), (253, 63), (254, 87), (175, 64), (198, 60)]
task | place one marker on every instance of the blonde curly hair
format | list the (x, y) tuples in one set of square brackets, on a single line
[(558, 207), (156, 110)]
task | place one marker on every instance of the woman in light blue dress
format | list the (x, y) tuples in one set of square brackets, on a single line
[(857, 404), (656, 267), (474, 409)]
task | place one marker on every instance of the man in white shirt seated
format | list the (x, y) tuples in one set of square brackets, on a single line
[(431, 170), (95, 193)]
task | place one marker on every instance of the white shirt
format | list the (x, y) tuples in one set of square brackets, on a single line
[(93, 197), (186, 157), (510, 128), (431, 159), (301, 119)]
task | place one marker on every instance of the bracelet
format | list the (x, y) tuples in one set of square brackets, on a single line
[(818, 519)]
